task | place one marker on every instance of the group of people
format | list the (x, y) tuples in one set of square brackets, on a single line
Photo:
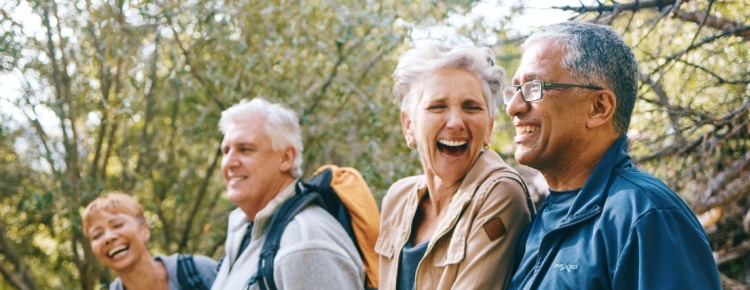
[(466, 222)]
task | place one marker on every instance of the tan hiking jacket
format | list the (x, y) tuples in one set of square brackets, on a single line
[(472, 246)]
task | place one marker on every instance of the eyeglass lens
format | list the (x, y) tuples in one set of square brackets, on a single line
[(530, 91)]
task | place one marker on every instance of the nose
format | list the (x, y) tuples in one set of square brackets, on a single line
[(517, 105), (109, 236), (455, 119), (229, 160)]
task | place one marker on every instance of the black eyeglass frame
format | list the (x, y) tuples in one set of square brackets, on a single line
[(545, 86)]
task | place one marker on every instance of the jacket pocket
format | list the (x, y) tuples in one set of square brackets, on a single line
[(450, 251), (384, 245)]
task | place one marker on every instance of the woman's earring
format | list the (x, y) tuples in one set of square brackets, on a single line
[(486, 146)]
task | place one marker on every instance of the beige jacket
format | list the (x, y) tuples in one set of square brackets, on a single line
[(472, 246)]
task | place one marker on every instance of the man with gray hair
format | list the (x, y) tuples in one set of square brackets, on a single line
[(262, 160), (605, 224)]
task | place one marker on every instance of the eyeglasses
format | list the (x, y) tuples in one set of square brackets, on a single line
[(532, 90)]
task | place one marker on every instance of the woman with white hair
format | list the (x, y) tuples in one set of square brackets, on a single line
[(456, 225)]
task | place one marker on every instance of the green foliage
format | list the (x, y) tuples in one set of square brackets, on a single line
[(126, 96)]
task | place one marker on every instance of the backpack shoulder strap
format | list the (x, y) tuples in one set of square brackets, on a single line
[(330, 200), (187, 273), (280, 219)]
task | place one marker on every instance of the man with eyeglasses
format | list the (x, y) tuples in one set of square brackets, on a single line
[(605, 224)]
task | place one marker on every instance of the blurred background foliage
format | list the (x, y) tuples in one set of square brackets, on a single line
[(125, 95)]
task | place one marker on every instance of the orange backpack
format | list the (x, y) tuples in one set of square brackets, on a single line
[(343, 192)]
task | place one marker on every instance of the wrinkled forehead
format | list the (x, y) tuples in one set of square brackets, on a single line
[(542, 60), (423, 84)]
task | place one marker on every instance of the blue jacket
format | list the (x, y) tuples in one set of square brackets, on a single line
[(625, 230)]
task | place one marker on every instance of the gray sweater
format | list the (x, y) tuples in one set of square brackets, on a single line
[(315, 253)]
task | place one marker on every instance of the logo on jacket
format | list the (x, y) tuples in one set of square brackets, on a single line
[(565, 267), (495, 228)]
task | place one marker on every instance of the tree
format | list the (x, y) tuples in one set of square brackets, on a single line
[(126, 95)]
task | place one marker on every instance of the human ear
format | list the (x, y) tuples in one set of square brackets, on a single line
[(287, 159), (406, 126), (488, 138), (602, 109), (145, 232)]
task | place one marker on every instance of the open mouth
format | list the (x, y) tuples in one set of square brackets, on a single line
[(116, 251), (521, 130), (452, 147)]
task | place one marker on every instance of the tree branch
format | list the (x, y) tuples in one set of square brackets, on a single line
[(699, 119), (145, 139), (43, 139), (193, 67), (59, 108), (21, 278), (108, 153), (199, 201), (653, 25), (68, 102), (633, 6), (720, 79), (14, 279), (733, 254), (674, 119), (342, 55), (674, 149), (701, 18), (718, 23), (727, 186), (706, 40), (679, 110), (106, 83)]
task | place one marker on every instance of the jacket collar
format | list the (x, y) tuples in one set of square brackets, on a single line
[(593, 195), (238, 223), (238, 220), (487, 163)]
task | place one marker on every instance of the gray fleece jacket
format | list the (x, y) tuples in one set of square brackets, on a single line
[(315, 253)]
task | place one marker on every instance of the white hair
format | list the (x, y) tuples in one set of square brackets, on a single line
[(418, 63), (281, 125)]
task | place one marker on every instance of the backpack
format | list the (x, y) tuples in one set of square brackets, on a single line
[(187, 273), (342, 192)]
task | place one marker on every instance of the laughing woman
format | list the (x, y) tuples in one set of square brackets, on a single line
[(456, 225), (118, 234)]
